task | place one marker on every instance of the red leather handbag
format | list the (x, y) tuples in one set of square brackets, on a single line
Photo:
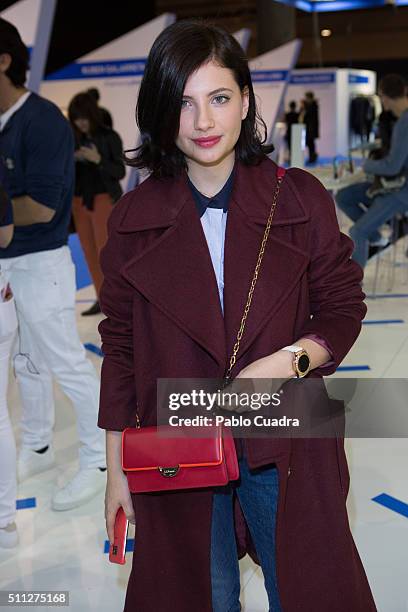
[(169, 460), (178, 460)]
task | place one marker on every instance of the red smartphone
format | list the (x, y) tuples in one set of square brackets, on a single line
[(117, 550)]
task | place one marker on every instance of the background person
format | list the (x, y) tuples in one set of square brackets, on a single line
[(106, 117), (99, 167), (309, 115), (291, 117), (368, 220), (36, 145)]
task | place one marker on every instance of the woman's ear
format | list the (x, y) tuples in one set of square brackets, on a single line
[(245, 102), (5, 62)]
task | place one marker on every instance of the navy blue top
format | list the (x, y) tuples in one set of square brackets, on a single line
[(220, 200), (8, 217), (37, 149)]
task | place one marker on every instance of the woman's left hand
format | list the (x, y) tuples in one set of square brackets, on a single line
[(277, 365), (91, 154), (265, 375)]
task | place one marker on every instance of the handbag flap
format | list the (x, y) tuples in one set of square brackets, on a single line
[(146, 449)]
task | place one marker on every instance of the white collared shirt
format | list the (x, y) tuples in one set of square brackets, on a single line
[(6, 116)]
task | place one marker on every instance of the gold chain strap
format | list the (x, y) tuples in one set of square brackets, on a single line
[(240, 333)]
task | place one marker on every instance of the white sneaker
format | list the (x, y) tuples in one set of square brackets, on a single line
[(381, 242), (84, 486), (8, 536), (29, 462)]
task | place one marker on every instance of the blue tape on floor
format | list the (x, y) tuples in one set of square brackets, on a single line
[(93, 349), (83, 278), (357, 368), (387, 295), (85, 301), (130, 545), (383, 322), (23, 504), (392, 503)]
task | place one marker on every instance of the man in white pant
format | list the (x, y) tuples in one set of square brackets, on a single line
[(36, 146)]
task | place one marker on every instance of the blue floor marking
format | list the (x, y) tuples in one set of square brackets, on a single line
[(89, 301), (383, 322), (356, 368), (130, 545), (392, 503), (83, 278), (29, 502), (93, 349), (386, 295)]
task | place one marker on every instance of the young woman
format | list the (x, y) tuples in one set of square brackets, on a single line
[(98, 170), (8, 327), (177, 267)]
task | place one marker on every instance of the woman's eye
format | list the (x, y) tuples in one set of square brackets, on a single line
[(184, 103), (221, 99)]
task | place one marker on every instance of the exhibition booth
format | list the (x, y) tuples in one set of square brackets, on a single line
[(335, 90)]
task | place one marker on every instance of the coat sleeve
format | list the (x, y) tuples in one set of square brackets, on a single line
[(117, 407), (334, 279)]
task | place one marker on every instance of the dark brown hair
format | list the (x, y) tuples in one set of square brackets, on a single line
[(11, 43), (84, 106), (393, 86), (176, 53)]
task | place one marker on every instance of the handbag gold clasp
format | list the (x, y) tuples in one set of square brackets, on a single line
[(169, 472)]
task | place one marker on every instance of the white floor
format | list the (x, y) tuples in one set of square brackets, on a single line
[(64, 551)]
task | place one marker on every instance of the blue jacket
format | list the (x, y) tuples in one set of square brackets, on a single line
[(36, 146)]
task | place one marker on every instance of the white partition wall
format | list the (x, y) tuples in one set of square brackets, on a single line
[(333, 88), (243, 36), (270, 75), (33, 19)]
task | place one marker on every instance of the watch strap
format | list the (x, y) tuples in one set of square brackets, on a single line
[(293, 348)]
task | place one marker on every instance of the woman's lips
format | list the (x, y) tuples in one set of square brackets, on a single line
[(207, 142)]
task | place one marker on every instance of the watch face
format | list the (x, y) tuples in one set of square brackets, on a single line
[(303, 363)]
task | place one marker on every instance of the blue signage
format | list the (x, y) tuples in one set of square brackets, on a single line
[(358, 78), (313, 78), (269, 76), (338, 5), (100, 70)]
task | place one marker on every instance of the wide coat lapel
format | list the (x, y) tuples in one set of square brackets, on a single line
[(174, 269)]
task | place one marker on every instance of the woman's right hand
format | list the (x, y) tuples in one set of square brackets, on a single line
[(117, 495)]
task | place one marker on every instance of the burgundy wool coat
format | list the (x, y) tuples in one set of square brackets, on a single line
[(164, 319)]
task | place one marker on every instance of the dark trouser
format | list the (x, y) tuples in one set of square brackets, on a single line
[(310, 143), (367, 223)]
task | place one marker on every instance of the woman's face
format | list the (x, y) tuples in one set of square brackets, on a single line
[(82, 124), (213, 108)]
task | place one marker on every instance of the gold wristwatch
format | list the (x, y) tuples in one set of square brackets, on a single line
[(301, 360)]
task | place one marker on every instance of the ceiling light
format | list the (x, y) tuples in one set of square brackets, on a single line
[(326, 33)]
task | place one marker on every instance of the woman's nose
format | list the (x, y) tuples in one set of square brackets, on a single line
[(203, 119)]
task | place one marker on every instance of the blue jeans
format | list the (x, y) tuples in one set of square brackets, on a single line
[(257, 491), (381, 209)]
